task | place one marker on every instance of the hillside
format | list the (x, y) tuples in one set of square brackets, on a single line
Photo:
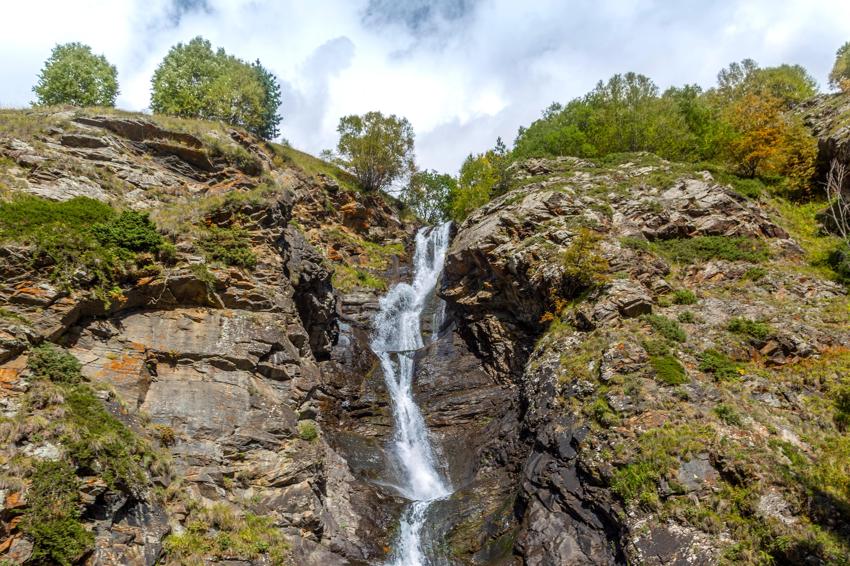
[(639, 362)]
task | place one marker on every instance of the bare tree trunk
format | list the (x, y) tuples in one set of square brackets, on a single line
[(839, 200)]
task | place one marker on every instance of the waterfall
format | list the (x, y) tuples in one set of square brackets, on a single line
[(396, 338)]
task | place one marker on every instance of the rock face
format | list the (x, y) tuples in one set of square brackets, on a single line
[(828, 117), (234, 372), (587, 401)]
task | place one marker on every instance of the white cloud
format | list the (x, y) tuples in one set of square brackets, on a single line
[(463, 71)]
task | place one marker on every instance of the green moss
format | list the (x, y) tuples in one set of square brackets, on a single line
[(52, 363), (718, 364), (602, 413), (668, 370), (52, 517), (668, 328), (751, 328)]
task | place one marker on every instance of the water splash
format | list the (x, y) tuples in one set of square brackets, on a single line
[(397, 337)]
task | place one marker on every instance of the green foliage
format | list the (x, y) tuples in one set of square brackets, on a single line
[(839, 261), (346, 278), (130, 231), (686, 317), (728, 414), (839, 77), (668, 370), (74, 75), (703, 248), (52, 518), (684, 297), (668, 328), (101, 444), (376, 149), (751, 328), (717, 363), (475, 186), (81, 239), (754, 274), (307, 430), (428, 194), (193, 81), (583, 265), (231, 246), (602, 413), (217, 533), (55, 364)]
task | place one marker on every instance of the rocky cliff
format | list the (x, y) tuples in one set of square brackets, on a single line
[(220, 355), (638, 363)]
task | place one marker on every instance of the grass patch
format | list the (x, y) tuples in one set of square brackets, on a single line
[(684, 297), (285, 155), (347, 278), (230, 246), (719, 365), (307, 430), (728, 414), (668, 370), (218, 533), (668, 328), (800, 219), (704, 248), (750, 328), (54, 364), (686, 317)]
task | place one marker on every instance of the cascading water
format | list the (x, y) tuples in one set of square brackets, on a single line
[(397, 337)]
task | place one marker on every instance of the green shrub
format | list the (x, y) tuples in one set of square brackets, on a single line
[(637, 482), (656, 347), (839, 261), (602, 413), (668, 328), (52, 517), (231, 246), (686, 317), (728, 414), (684, 297), (583, 265), (668, 370), (751, 328), (717, 363), (50, 362), (99, 443), (703, 248), (307, 430), (131, 231), (755, 273)]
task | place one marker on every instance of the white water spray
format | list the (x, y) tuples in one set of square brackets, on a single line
[(397, 337)]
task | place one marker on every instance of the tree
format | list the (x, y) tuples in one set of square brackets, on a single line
[(429, 195), (193, 81), (376, 149), (839, 77), (74, 75), (475, 185)]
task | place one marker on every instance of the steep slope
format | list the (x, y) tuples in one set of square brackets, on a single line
[(207, 347), (675, 368)]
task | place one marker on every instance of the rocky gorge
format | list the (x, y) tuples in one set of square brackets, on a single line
[(637, 362)]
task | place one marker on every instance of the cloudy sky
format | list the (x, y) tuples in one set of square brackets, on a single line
[(463, 71)]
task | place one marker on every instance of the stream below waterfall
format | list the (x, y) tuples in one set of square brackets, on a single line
[(397, 337)]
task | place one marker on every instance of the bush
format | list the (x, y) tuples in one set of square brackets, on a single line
[(231, 246), (686, 317), (583, 265), (668, 370), (728, 414), (842, 408), (704, 248), (52, 518), (684, 297), (668, 328), (55, 364), (131, 231), (751, 328), (839, 261), (717, 363)]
